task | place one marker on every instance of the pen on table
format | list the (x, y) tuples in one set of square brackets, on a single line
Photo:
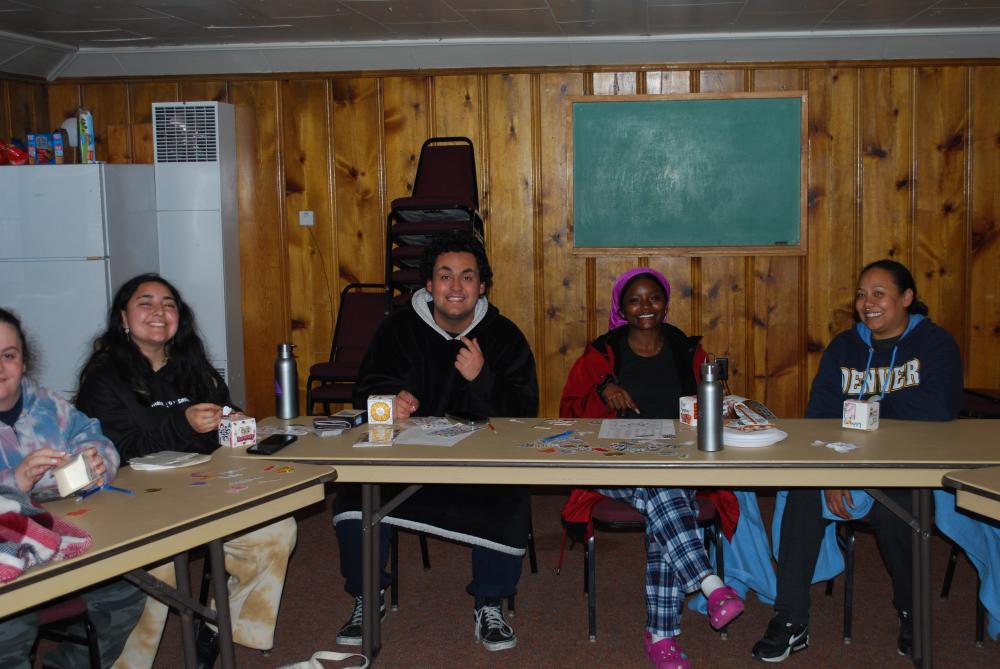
[(553, 437), (114, 488), (492, 429), (87, 493)]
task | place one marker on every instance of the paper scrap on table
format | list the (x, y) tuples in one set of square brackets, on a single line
[(168, 460), (447, 435), (636, 428), (839, 446)]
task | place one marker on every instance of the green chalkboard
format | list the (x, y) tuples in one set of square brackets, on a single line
[(694, 174)]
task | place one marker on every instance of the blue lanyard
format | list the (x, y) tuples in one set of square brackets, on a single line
[(868, 365)]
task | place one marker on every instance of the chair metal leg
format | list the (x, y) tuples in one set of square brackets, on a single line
[(425, 555), (532, 558), (848, 584), (714, 532), (980, 620), (592, 586), (949, 572), (93, 644), (394, 567)]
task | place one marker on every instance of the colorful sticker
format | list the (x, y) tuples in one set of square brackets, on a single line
[(78, 512), (236, 487), (200, 483), (153, 489), (285, 469)]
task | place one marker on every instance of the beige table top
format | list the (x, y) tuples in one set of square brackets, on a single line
[(977, 490), (166, 515), (898, 454)]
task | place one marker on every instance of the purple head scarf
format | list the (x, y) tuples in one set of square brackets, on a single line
[(615, 317)]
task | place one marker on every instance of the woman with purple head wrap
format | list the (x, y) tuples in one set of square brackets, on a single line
[(643, 366)]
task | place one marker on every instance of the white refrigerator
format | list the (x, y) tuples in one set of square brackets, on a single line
[(69, 236)]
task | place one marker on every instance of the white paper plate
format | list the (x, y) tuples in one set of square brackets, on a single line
[(757, 439)]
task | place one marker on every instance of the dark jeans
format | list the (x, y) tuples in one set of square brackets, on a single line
[(494, 574), (113, 608), (802, 530)]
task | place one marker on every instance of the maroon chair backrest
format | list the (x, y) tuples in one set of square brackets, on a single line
[(447, 170), (360, 314)]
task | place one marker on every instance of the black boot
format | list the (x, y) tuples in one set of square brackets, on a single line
[(206, 646), (904, 645)]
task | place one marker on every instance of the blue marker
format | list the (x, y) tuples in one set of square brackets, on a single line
[(553, 437)]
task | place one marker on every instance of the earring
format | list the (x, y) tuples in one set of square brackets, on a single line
[(127, 331)]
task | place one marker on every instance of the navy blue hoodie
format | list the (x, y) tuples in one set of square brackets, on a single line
[(924, 383)]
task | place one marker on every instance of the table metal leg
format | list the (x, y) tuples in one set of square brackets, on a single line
[(183, 577), (924, 514), (371, 633), (920, 523), (220, 590)]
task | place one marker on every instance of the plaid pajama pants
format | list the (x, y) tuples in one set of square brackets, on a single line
[(676, 561)]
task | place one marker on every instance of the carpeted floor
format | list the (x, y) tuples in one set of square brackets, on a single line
[(433, 627)]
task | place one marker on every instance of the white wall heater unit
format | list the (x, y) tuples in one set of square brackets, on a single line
[(194, 156)]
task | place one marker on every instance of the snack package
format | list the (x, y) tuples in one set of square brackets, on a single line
[(86, 135), (58, 148), (45, 154), (12, 155), (32, 148), (746, 415)]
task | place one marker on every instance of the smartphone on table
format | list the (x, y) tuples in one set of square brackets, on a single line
[(272, 444), (467, 417)]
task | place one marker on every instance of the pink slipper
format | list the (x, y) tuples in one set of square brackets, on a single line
[(724, 605), (666, 653)]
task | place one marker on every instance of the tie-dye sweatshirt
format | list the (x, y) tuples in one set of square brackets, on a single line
[(49, 421)]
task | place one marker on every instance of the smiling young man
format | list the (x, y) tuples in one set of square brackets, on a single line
[(450, 351)]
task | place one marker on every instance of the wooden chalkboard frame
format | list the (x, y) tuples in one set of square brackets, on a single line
[(693, 251)]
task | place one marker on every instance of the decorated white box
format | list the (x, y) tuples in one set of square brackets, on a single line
[(380, 409), (860, 415), (689, 410), (240, 431), (73, 475)]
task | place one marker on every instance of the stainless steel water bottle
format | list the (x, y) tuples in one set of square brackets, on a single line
[(286, 383), (709, 408)]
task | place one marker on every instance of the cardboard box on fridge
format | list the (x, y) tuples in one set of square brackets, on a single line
[(239, 431)]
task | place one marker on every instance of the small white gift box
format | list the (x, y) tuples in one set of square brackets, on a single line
[(239, 431), (860, 414), (380, 409), (689, 410)]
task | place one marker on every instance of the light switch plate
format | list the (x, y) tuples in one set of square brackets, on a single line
[(306, 218)]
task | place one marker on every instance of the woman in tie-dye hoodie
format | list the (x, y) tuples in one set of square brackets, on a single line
[(40, 430)]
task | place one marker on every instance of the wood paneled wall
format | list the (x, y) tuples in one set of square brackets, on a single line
[(904, 162)]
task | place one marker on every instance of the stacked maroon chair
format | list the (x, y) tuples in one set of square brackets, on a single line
[(445, 198)]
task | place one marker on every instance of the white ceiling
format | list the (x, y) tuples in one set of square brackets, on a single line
[(119, 37)]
